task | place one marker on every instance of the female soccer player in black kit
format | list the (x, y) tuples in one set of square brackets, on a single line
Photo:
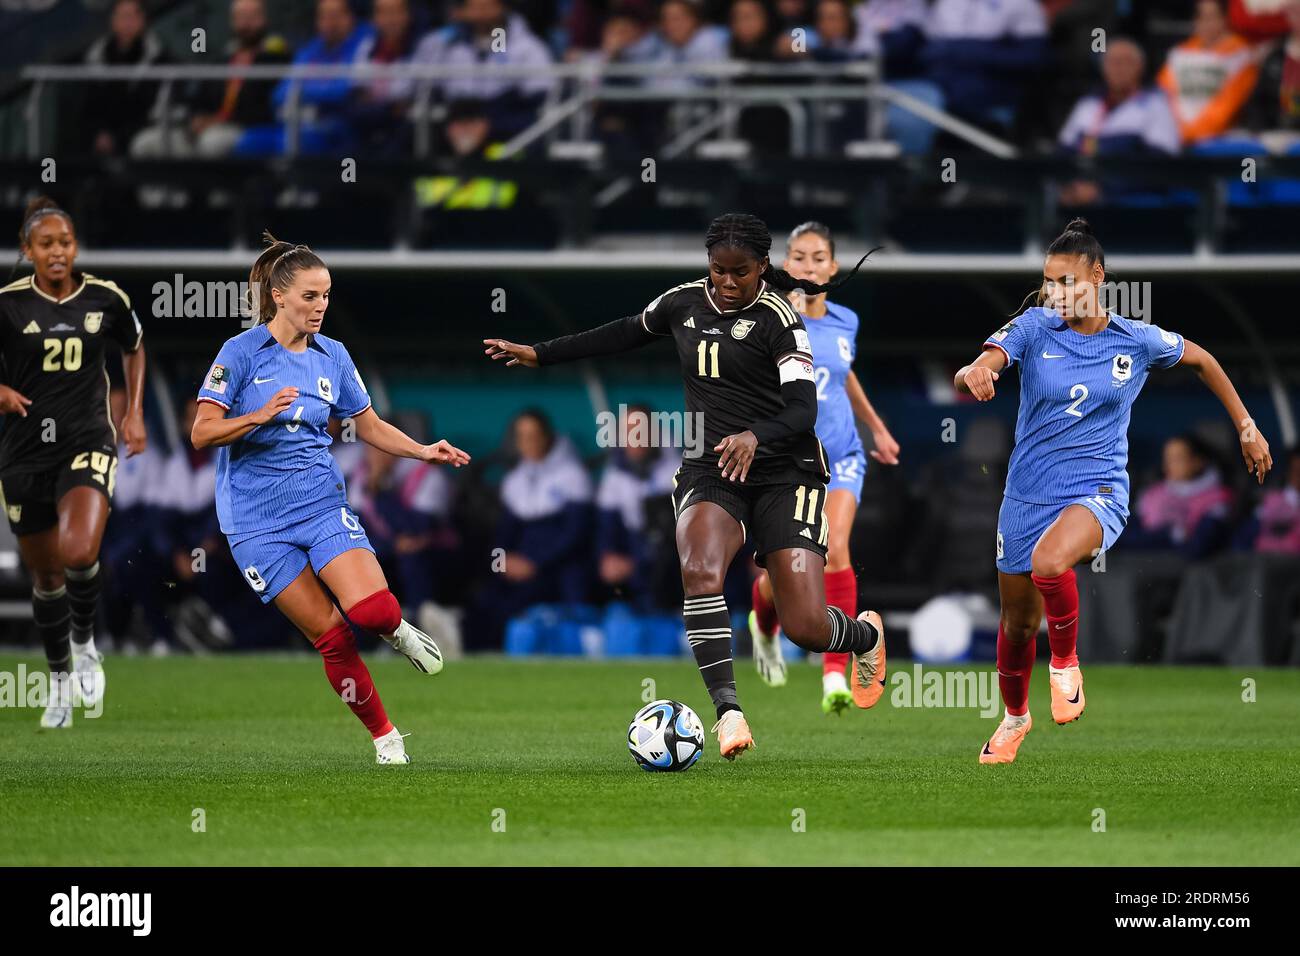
[(58, 446), (748, 373)]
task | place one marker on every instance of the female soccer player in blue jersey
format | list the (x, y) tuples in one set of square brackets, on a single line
[(833, 330), (265, 403), (1066, 497)]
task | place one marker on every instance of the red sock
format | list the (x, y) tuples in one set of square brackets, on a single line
[(1061, 600), (350, 678), (1015, 664), (841, 592), (765, 611)]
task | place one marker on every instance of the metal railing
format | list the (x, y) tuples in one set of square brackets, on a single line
[(719, 90)]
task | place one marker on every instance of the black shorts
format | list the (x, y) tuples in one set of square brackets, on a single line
[(31, 499), (772, 515)]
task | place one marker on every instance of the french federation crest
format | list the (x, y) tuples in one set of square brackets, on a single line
[(1121, 368), (325, 389), (254, 579), (741, 328), (93, 321), (15, 513), (846, 350)]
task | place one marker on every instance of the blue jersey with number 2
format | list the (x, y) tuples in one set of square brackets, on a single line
[(834, 344), (1076, 392)]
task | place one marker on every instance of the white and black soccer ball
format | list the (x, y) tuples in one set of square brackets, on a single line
[(665, 735)]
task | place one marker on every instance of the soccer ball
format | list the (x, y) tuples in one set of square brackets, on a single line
[(665, 735)]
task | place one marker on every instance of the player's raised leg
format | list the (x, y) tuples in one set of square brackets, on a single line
[(799, 588), (358, 582), (763, 625), (305, 603), (708, 538), (1022, 611), (1075, 536)]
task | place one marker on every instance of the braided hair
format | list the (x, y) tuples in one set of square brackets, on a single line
[(749, 234)]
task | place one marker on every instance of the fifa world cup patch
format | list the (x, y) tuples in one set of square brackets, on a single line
[(217, 379), (93, 321), (1003, 332)]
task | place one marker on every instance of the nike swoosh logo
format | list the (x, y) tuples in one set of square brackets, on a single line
[(986, 749), (1078, 690), (1066, 624), (354, 536), (1045, 355), (263, 381)]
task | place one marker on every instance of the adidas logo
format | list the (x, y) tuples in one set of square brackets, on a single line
[(32, 328), (804, 533), (690, 322)]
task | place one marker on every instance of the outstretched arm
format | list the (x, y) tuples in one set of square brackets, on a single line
[(1254, 448), (886, 450), (373, 430), (620, 335)]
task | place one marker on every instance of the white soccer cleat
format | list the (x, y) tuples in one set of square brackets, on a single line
[(418, 647), (88, 679), (58, 704), (391, 748), (767, 654)]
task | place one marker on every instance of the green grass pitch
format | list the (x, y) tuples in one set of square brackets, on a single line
[(1184, 770)]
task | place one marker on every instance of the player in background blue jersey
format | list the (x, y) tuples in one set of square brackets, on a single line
[(265, 404), (1066, 497), (841, 403)]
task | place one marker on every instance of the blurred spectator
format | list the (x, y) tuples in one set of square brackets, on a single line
[(635, 475), (835, 32), (983, 56), (893, 30), (754, 41), (542, 546), (1275, 526), (1074, 29), (1122, 120), (321, 102), (1276, 103), (1188, 510), (1208, 77), (220, 111), (628, 36), (379, 106), (686, 40), (789, 15), (479, 38), (115, 111)]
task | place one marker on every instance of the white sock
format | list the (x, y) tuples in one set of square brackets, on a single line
[(80, 650), (380, 741), (1013, 720)]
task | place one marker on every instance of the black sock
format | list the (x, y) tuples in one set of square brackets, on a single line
[(83, 598), (848, 634), (708, 628), (50, 611)]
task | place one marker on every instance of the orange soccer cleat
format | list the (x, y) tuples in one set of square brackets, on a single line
[(1006, 740), (868, 670), (1067, 694), (733, 733)]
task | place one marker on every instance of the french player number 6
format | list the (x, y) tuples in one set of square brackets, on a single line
[(1078, 393)]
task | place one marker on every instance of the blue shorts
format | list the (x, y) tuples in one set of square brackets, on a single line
[(847, 473), (1021, 524), (271, 560)]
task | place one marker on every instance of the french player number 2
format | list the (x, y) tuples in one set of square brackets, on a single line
[(822, 375), (1078, 393)]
